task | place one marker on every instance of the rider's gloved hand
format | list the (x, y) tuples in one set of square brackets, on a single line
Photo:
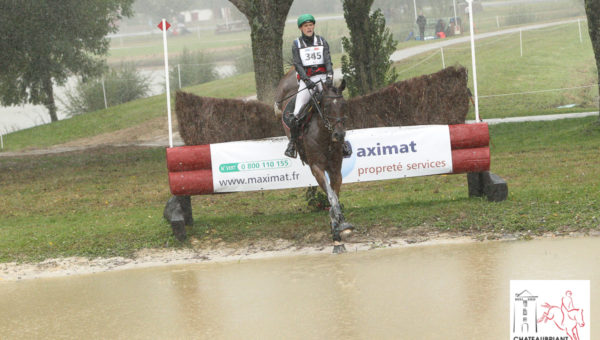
[(310, 84)]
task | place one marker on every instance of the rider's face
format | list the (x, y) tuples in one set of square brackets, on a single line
[(307, 28)]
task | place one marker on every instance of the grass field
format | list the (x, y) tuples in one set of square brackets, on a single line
[(553, 58), (109, 201)]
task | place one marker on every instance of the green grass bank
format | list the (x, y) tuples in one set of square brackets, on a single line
[(109, 201)]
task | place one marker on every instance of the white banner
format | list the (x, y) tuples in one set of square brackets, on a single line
[(378, 154)]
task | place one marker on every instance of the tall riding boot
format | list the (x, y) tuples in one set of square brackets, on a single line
[(294, 131)]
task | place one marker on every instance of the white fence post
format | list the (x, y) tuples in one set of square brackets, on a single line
[(443, 61), (179, 74), (104, 93), (521, 41), (455, 20), (1, 141), (497, 22), (579, 25)]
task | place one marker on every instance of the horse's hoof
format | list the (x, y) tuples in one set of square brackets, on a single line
[(345, 227), (339, 249), (178, 228)]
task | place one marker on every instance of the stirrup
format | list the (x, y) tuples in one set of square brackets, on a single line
[(291, 150)]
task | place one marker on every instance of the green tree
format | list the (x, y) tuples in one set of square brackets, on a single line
[(367, 65), (43, 42), (592, 10), (121, 85), (267, 21)]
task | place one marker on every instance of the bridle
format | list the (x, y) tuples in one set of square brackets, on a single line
[(327, 118)]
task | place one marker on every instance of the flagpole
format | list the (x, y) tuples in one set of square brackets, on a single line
[(164, 29), (470, 2)]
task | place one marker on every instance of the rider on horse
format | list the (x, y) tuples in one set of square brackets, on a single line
[(312, 62)]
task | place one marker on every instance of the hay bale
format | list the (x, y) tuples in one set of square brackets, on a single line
[(204, 120), (438, 98)]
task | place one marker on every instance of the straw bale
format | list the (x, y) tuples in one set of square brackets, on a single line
[(438, 98), (204, 120)]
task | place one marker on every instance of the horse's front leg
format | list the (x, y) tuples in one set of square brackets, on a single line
[(335, 212), (342, 227)]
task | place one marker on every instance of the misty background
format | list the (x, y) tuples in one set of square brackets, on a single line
[(220, 21)]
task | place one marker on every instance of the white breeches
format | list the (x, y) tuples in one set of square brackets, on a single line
[(303, 95)]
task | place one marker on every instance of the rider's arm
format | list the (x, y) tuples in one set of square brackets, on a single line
[(298, 62), (327, 57)]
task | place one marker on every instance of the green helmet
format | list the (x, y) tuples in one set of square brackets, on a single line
[(305, 18)]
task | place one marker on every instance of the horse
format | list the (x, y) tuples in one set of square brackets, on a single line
[(320, 146), (565, 322)]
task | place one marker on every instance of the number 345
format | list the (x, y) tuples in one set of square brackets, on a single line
[(313, 56)]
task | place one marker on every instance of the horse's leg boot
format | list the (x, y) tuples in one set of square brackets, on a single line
[(291, 148), (346, 149)]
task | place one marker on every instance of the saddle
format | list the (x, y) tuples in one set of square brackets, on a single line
[(303, 117)]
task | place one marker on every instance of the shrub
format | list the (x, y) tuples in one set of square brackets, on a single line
[(244, 63), (121, 84), (194, 68)]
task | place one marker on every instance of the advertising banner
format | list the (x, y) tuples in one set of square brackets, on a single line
[(378, 154)]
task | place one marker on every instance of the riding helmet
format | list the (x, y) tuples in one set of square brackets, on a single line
[(305, 18)]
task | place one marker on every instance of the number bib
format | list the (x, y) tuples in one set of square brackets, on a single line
[(312, 56)]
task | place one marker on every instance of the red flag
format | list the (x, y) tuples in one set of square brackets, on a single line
[(160, 25)]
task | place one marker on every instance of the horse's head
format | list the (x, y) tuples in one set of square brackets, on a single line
[(334, 107), (579, 317)]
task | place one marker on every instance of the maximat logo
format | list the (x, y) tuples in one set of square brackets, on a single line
[(379, 150)]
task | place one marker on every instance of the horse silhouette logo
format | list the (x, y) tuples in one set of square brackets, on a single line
[(566, 317)]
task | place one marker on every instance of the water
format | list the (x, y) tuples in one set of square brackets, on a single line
[(458, 291), (14, 118)]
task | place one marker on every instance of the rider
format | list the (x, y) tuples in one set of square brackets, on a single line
[(312, 62)]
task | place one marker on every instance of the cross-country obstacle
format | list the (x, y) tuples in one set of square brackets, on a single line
[(230, 167)]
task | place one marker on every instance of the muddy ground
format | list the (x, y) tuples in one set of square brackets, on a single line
[(215, 251)]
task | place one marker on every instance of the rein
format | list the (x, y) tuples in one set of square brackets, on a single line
[(325, 117), (293, 94)]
